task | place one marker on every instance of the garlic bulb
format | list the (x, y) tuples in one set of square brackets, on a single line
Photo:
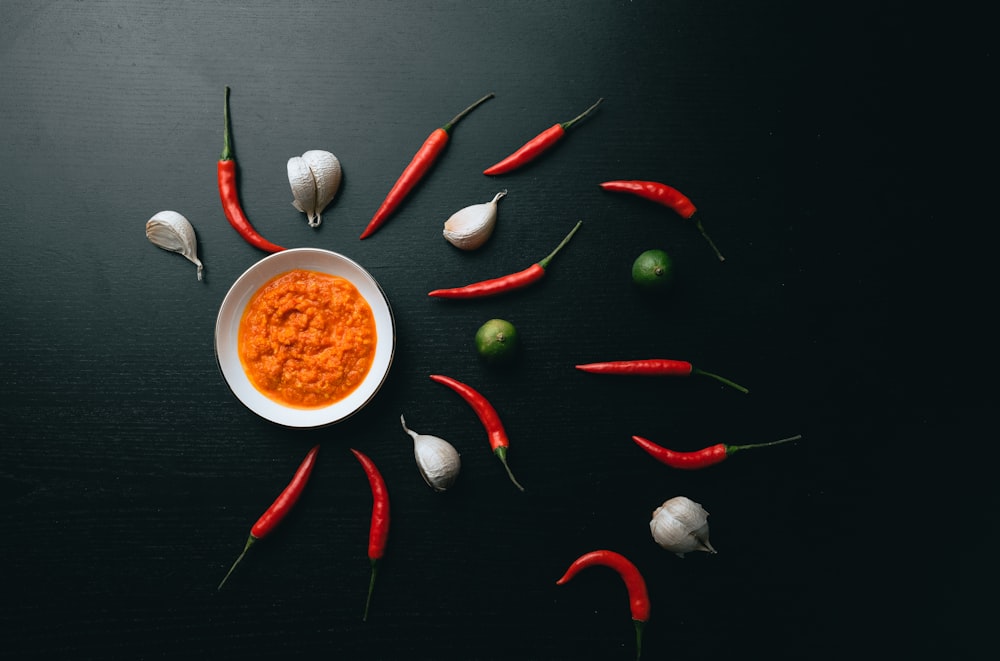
[(680, 525), (437, 459), (314, 178), (172, 231), (469, 228)]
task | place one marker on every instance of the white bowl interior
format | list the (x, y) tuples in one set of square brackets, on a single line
[(228, 323)]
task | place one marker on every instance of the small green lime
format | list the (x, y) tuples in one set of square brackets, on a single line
[(496, 341), (653, 270)]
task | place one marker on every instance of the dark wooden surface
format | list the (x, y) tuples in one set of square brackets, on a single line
[(129, 475)]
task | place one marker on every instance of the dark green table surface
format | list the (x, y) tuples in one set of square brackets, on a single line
[(849, 304)]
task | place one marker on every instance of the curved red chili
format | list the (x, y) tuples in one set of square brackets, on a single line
[(280, 508), (229, 192), (537, 145), (666, 195), (418, 166), (651, 190), (378, 533), (506, 283), (637, 594), (487, 415), (654, 367), (703, 458)]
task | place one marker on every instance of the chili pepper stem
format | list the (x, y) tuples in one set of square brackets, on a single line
[(371, 588), (501, 453), (730, 449), (721, 379), (545, 262), (701, 228), (639, 624), (447, 127), (566, 125), (250, 541), (227, 138)]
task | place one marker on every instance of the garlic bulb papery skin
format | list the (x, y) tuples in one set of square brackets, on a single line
[(315, 179), (680, 525), (172, 231), (437, 459), (469, 228)]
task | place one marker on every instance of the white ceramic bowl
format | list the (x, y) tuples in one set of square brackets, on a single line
[(231, 311)]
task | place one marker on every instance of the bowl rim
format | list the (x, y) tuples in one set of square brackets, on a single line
[(231, 312)]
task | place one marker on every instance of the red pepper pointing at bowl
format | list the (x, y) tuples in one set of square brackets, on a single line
[(667, 196), (506, 283), (487, 415), (638, 595), (422, 161), (703, 458), (280, 508), (654, 367), (537, 145), (229, 192), (378, 531)]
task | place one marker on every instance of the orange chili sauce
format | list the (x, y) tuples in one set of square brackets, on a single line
[(307, 339)]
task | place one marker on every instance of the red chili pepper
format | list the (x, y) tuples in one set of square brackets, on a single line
[(283, 504), (487, 415), (507, 283), (701, 458), (667, 196), (229, 193), (634, 583), (378, 533), (537, 145), (654, 367), (416, 169)]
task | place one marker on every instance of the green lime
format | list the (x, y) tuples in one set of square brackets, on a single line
[(653, 270), (496, 341)]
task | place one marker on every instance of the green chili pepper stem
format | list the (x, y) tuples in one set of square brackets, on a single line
[(250, 541), (371, 588), (639, 624), (730, 449), (565, 125), (227, 139), (447, 127), (701, 228), (501, 453), (721, 379), (545, 262)]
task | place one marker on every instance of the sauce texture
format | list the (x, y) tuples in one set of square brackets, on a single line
[(307, 339)]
